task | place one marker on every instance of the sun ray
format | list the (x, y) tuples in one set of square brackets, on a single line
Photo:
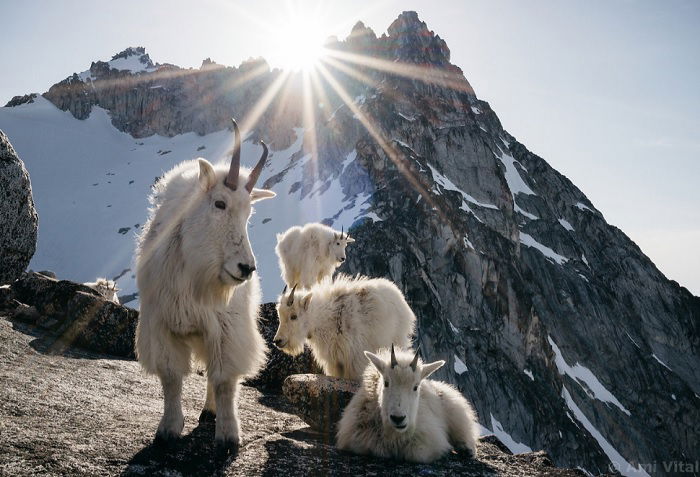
[(392, 153), (255, 113), (427, 74)]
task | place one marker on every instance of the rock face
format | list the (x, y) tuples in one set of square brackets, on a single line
[(82, 413), (75, 315), (279, 365), (554, 324), (17, 215), (319, 400)]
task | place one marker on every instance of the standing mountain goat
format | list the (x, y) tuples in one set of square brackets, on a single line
[(199, 293), (343, 318), (310, 253), (397, 413)]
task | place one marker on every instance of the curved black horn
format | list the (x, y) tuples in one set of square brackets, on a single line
[(255, 173), (341, 232), (414, 363), (290, 300), (285, 290), (393, 356), (232, 177)]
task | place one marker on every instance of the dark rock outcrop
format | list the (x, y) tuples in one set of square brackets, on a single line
[(17, 214), (24, 99), (279, 365), (82, 413), (319, 400), (75, 315)]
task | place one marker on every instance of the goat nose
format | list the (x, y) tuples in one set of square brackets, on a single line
[(246, 270), (278, 342), (342, 259), (397, 419)]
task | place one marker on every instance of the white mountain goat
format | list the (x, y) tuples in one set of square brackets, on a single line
[(198, 290), (343, 318), (397, 413), (310, 253), (107, 288)]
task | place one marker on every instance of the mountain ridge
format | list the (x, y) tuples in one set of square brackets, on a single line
[(503, 258)]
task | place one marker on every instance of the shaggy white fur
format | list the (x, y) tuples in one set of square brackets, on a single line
[(310, 253), (342, 319), (199, 293), (397, 413)]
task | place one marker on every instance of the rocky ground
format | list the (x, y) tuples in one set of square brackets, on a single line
[(66, 411)]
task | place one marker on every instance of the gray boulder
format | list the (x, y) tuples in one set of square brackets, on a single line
[(17, 214), (319, 400)]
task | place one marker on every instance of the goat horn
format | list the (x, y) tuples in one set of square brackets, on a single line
[(341, 232), (285, 290), (255, 173), (414, 363), (393, 356), (290, 300), (232, 178)]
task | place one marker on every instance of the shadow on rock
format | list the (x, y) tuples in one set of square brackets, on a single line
[(192, 454), (292, 454)]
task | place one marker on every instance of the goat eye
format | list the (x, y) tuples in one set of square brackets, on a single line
[(386, 384), (293, 317), (337, 243), (415, 388), (220, 204)]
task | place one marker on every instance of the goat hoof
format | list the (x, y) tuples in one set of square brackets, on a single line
[(227, 446), (207, 416), (165, 439)]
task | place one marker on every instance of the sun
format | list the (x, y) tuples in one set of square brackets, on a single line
[(299, 43)]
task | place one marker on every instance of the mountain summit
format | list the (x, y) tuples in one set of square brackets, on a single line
[(563, 334)]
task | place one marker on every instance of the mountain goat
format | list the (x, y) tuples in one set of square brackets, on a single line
[(397, 413), (198, 288), (107, 288), (343, 318), (310, 253)]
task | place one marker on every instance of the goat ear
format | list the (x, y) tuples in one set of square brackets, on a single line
[(349, 239), (207, 176), (376, 361), (305, 301), (261, 194), (430, 368)]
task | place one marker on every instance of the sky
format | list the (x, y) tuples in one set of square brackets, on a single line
[(605, 91)]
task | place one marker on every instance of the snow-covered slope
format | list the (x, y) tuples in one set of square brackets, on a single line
[(91, 182)]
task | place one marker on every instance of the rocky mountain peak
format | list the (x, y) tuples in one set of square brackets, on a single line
[(415, 43), (139, 52)]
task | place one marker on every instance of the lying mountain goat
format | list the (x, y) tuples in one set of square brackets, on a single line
[(397, 413), (107, 288), (343, 318), (310, 253), (199, 293)]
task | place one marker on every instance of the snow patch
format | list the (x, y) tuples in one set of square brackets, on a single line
[(661, 362), (585, 378), (566, 225), (407, 118), (516, 184), (519, 210), (583, 259), (582, 206), (514, 446), (620, 463), (632, 340), (529, 241), (476, 110), (447, 184), (529, 374), (460, 367)]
